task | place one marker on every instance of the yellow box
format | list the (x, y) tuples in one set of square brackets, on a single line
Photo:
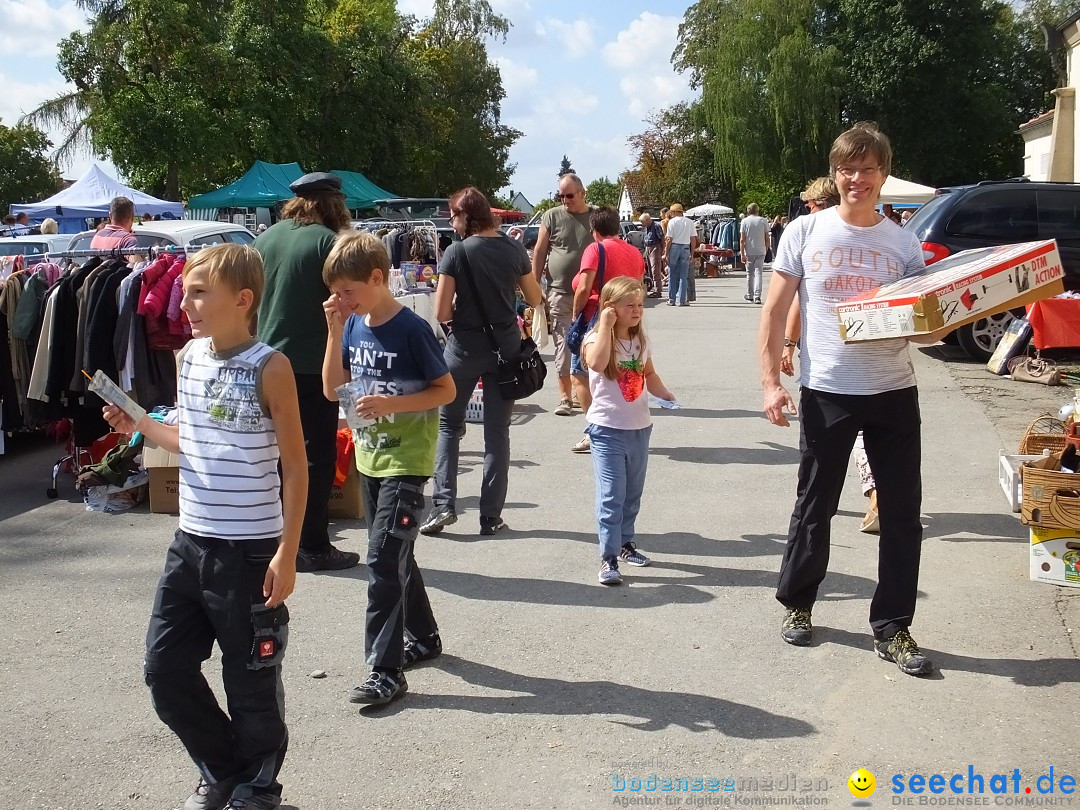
[(1055, 556)]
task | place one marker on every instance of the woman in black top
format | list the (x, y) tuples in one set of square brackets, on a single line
[(499, 266)]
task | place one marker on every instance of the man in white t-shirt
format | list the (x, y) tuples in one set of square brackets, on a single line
[(826, 259), (754, 244), (680, 240)]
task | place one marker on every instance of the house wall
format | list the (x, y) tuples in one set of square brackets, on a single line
[(1037, 142), (626, 208)]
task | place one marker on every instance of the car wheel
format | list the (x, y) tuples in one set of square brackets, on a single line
[(979, 339)]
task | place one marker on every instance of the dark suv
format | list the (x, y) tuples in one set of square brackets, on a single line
[(1000, 213)]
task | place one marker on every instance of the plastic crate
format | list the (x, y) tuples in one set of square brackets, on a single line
[(474, 411), (1009, 476)]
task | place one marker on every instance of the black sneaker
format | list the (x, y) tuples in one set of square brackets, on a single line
[(797, 628), (209, 796), (489, 526), (380, 687), (257, 801), (332, 559), (902, 650), (421, 650), (438, 519)]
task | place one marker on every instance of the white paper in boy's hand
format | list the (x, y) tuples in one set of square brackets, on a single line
[(656, 402), (348, 395), (109, 391)]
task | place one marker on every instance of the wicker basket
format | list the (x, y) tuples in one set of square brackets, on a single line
[(1051, 499), (1045, 433)]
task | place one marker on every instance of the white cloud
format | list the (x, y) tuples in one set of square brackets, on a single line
[(575, 38), (21, 97), (34, 28), (641, 54), (517, 78), (418, 8)]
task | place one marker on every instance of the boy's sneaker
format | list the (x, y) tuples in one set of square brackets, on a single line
[(438, 519), (332, 559), (421, 650), (209, 796), (797, 628), (609, 571), (379, 688), (564, 408), (490, 525), (632, 556), (902, 650), (257, 801)]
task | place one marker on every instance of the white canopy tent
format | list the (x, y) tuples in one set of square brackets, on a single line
[(904, 192), (708, 210)]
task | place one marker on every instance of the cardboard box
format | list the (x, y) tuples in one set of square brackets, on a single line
[(347, 503), (955, 291), (164, 469), (1055, 556)]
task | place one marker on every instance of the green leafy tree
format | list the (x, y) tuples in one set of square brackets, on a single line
[(602, 191), (544, 205), (26, 174)]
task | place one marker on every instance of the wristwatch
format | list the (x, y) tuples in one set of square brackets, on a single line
[(788, 343)]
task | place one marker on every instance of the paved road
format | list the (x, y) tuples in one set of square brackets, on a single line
[(553, 688)]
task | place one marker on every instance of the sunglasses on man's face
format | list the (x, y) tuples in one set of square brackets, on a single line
[(569, 196)]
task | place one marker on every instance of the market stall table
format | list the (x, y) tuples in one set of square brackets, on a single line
[(718, 256), (1055, 323)]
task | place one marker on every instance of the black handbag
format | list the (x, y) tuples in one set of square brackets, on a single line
[(520, 376), (575, 335)]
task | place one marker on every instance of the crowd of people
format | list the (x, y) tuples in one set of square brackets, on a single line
[(305, 317)]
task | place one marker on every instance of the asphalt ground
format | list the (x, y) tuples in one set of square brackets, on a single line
[(553, 690)]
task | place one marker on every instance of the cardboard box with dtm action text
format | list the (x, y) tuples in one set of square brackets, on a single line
[(955, 291)]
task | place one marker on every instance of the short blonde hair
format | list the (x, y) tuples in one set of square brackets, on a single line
[(238, 267), (864, 140), (822, 189), (354, 256), (49, 226)]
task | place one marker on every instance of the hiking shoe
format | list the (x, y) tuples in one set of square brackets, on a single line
[(421, 650), (902, 650), (565, 408), (264, 800), (209, 796), (332, 559), (797, 628), (632, 556), (490, 525), (609, 571), (438, 519), (379, 688), (584, 446), (870, 522)]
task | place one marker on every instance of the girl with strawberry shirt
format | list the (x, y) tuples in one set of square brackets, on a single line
[(621, 371)]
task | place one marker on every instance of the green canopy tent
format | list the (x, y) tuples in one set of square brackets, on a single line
[(262, 186), (359, 191)]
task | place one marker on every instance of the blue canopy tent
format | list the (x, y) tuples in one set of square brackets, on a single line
[(90, 196)]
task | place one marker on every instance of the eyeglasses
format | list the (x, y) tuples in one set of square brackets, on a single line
[(569, 196), (866, 171), (455, 213)]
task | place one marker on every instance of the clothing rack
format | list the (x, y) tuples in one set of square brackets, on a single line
[(427, 224)]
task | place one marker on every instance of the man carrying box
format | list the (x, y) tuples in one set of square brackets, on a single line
[(827, 259)]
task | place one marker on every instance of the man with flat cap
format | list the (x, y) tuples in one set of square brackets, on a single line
[(291, 320)]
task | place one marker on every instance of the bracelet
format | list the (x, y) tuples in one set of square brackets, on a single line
[(789, 343)]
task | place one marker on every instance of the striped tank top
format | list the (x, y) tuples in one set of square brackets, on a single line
[(229, 481)]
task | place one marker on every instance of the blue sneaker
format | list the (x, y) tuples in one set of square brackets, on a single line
[(631, 556), (609, 571)]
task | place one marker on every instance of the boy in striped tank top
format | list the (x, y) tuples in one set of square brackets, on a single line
[(391, 353), (233, 561)]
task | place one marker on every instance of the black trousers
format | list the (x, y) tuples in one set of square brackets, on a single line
[(319, 421), (397, 600), (212, 591), (891, 428)]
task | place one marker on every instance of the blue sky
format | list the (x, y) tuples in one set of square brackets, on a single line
[(580, 77)]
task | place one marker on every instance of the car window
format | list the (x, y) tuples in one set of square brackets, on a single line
[(1059, 215), (14, 248), (209, 239), (925, 216), (240, 237), (999, 214)]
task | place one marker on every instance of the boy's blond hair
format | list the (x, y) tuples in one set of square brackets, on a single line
[(354, 257), (823, 190), (862, 141), (238, 267), (615, 291)]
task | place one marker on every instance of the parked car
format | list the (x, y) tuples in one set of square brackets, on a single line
[(1000, 213), (529, 234), (33, 245), (165, 232), (633, 233)]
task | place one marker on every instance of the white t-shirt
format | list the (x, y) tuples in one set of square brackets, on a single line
[(680, 230), (621, 403), (753, 230), (835, 262)]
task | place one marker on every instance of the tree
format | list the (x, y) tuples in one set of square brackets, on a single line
[(602, 191), (544, 205), (565, 167), (26, 175)]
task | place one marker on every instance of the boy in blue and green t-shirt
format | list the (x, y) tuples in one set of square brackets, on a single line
[(376, 341)]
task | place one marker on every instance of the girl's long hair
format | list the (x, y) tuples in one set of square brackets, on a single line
[(615, 291)]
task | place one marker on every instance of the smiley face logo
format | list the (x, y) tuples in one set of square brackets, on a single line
[(862, 784)]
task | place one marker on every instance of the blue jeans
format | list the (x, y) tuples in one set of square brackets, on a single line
[(620, 459), (679, 275)]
